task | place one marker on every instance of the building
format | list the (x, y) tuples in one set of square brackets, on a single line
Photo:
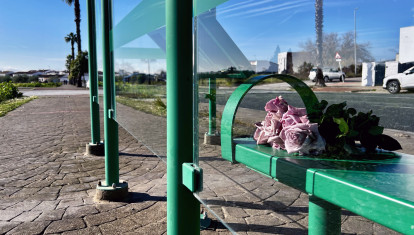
[(406, 45), (6, 73), (284, 61), (264, 66), (291, 61)]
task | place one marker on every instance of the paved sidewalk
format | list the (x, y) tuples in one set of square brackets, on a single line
[(47, 183)]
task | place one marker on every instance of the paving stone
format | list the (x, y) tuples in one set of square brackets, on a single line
[(263, 221), (27, 216), (234, 212), (98, 219), (65, 225), (88, 230), (154, 228), (51, 215), (30, 228), (70, 202), (9, 214), (118, 226), (7, 226), (79, 211)]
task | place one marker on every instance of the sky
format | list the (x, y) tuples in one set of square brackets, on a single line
[(32, 32)]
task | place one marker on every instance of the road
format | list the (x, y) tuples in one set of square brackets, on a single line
[(395, 111)]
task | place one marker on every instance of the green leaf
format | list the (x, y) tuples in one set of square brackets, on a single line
[(353, 133), (388, 143), (323, 104), (336, 110), (343, 126), (376, 130), (352, 111)]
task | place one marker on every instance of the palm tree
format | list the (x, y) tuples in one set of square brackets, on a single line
[(72, 38), (77, 21), (318, 28)]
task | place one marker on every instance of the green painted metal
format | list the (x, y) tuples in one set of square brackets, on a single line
[(212, 106), (152, 15), (183, 209), (383, 197), (93, 74), (378, 186), (204, 221), (201, 6), (192, 177), (110, 124), (324, 217), (379, 189), (229, 112)]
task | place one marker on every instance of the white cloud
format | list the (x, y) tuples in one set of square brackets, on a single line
[(253, 9)]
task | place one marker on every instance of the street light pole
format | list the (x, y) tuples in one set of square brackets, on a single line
[(355, 56)]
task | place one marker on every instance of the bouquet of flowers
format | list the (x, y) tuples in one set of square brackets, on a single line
[(334, 130)]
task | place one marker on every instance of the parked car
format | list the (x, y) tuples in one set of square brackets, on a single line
[(394, 83), (328, 74)]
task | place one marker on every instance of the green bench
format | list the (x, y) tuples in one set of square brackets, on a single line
[(381, 189)]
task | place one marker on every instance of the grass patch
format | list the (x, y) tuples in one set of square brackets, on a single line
[(140, 90), (9, 105), (155, 107), (38, 84)]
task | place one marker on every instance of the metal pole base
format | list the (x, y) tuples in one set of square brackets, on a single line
[(324, 217), (112, 193), (95, 149), (205, 222), (212, 139)]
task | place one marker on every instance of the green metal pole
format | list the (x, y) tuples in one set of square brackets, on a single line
[(324, 217), (110, 124), (212, 106), (93, 74), (183, 210)]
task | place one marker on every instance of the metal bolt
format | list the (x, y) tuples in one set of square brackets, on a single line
[(124, 182), (99, 183), (113, 185)]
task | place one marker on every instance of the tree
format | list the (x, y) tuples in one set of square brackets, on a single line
[(69, 59), (318, 29), (304, 69), (78, 67), (77, 21), (333, 43), (72, 38)]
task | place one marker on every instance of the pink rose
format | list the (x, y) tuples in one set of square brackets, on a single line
[(277, 105), (303, 138), (268, 128), (294, 116)]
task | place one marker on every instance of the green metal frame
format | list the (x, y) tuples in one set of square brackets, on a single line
[(379, 189), (212, 106), (93, 74), (227, 120), (192, 177), (110, 124), (183, 209)]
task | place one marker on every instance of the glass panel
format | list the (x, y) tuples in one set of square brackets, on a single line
[(237, 40), (140, 71)]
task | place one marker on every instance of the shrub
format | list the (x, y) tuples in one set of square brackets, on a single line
[(5, 79), (8, 91)]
